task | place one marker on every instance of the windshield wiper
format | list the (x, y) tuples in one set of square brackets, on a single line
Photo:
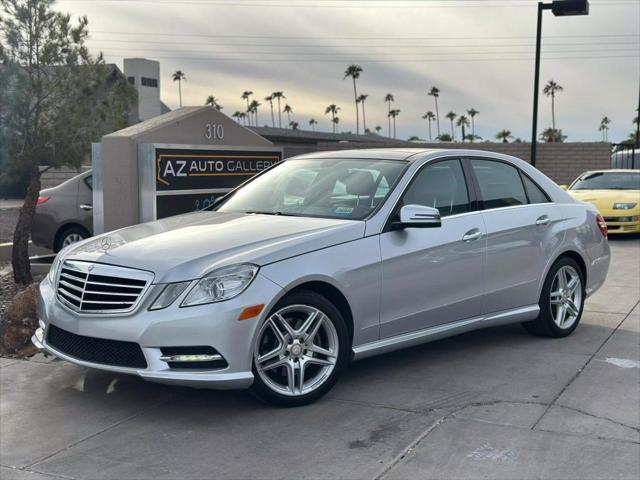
[(259, 212)]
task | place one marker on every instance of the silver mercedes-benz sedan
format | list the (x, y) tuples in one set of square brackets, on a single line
[(323, 259)]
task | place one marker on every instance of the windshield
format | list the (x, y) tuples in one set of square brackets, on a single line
[(608, 181), (328, 188)]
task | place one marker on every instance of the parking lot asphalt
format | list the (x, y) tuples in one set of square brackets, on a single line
[(496, 403)]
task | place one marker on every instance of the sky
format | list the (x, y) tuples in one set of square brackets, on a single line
[(479, 53)]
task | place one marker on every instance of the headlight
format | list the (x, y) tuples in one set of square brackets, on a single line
[(53, 271), (222, 284), (168, 295), (624, 206), (57, 262)]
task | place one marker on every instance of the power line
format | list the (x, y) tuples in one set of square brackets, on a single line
[(364, 61), (351, 53), (368, 45), (358, 37), (353, 4)]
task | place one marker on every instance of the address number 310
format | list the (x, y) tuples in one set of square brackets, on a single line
[(213, 131)]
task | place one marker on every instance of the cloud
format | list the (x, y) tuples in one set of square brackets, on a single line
[(464, 51)]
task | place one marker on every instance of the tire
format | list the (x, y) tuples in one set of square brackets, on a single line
[(304, 333), (556, 295), (68, 235)]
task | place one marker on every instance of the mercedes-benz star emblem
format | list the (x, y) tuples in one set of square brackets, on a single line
[(106, 244)]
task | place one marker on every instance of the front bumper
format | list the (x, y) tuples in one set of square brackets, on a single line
[(213, 325)]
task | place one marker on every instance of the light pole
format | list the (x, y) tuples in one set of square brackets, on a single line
[(560, 8)]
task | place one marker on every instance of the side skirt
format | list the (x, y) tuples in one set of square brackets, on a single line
[(442, 331)]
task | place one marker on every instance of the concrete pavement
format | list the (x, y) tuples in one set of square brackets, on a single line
[(497, 403)]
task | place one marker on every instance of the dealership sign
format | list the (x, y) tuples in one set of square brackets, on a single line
[(177, 179)]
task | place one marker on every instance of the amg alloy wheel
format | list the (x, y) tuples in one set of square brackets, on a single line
[(566, 297), (561, 300), (299, 350)]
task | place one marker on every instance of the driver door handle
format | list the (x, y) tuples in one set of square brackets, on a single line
[(86, 206), (471, 235), (543, 220)]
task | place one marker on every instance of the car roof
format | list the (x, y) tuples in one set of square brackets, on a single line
[(612, 170), (400, 154)]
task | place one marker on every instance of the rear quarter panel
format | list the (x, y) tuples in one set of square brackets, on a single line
[(583, 236)]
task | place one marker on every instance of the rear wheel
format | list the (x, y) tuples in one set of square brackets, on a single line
[(300, 350), (561, 301), (68, 236)]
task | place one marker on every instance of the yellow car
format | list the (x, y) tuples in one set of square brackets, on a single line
[(615, 193)]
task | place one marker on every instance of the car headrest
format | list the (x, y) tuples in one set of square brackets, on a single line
[(360, 183)]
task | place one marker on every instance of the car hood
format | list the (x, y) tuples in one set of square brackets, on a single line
[(188, 246), (603, 200)]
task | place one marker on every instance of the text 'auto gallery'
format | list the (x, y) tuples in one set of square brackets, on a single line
[(179, 162)]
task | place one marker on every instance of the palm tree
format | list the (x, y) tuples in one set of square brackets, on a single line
[(313, 122), (243, 116), (178, 76), (361, 99), (552, 135), (378, 129), (604, 127), (333, 109), (550, 90), (213, 102), (245, 96), (278, 96), (270, 100), (335, 121), (354, 72), (237, 115), (504, 135), (472, 113), (393, 114), (451, 116), (288, 110), (389, 99), (435, 93), (462, 122), (254, 110), (429, 116), (294, 125)]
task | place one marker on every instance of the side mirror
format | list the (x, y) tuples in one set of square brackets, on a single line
[(418, 216)]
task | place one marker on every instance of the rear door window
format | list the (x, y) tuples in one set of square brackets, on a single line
[(500, 184)]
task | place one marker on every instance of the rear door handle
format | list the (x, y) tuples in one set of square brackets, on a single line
[(471, 235), (543, 220), (86, 206)]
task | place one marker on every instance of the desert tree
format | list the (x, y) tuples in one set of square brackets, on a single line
[(59, 99)]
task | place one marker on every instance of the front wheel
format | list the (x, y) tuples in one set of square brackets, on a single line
[(300, 350), (561, 301)]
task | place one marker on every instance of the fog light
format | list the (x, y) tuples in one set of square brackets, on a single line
[(190, 358), (39, 334)]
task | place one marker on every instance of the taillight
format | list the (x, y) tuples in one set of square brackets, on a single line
[(602, 225), (42, 200)]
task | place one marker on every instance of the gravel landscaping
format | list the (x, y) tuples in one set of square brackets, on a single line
[(8, 220)]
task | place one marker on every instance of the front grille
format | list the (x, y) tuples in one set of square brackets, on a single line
[(618, 219), (99, 288), (96, 350)]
